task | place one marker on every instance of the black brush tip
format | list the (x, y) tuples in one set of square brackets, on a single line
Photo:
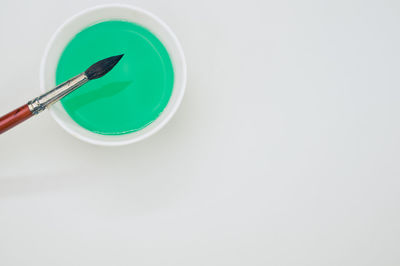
[(99, 69)]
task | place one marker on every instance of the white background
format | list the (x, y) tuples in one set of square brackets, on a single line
[(285, 150)]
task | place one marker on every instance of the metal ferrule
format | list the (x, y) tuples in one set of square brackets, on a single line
[(45, 100)]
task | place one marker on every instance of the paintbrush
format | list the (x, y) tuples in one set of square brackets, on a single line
[(45, 100)]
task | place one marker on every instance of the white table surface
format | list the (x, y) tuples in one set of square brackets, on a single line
[(285, 150)]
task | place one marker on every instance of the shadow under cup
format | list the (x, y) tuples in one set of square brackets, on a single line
[(96, 15)]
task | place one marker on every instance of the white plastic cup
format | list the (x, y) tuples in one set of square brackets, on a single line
[(94, 15)]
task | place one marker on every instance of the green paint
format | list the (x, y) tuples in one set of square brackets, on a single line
[(130, 96)]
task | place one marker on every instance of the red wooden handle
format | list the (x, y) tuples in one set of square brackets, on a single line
[(15, 117)]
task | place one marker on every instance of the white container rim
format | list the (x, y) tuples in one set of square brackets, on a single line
[(157, 27)]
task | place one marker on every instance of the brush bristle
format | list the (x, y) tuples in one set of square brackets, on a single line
[(102, 67)]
